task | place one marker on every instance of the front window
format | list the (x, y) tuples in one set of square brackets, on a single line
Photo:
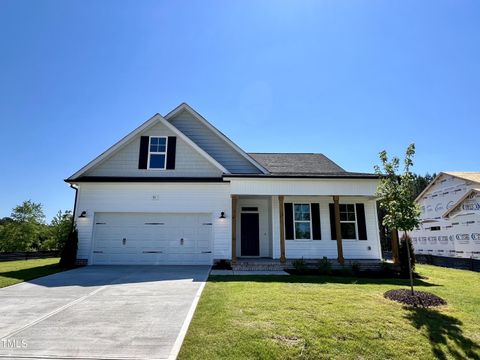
[(348, 221), (302, 221), (157, 152)]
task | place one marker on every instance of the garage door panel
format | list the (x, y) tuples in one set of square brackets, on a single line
[(152, 238)]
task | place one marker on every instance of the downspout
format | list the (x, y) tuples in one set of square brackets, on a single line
[(74, 206)]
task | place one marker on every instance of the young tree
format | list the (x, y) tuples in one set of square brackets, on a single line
[(396, 196)]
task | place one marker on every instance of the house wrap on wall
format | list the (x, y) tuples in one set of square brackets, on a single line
[(450, 216)]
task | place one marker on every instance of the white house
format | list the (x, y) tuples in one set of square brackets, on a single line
[(178, 191), (450, 218)]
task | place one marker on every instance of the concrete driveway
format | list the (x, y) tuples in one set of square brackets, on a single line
[(100, 312)]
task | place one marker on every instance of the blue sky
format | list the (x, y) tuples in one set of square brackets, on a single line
[(345, 78)]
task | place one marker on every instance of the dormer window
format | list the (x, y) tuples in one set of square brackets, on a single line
[(157, 152)]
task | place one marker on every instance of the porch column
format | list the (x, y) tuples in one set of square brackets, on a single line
[(234, 229), (338, 229), (396, 258), (282, 228)]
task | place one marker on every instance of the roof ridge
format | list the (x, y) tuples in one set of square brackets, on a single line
[(286, 153)]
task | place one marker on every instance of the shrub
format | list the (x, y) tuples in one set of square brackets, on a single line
[(222, 265), (300, 265), (404, 256), (385, 267), (69, 251), (345, 271), (324, 266), (355, 268)]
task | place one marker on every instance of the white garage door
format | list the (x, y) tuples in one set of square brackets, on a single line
[(158, 238)]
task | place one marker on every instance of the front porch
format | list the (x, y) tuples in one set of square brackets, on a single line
[(270, 231)]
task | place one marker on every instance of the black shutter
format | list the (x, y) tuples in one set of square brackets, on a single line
[(171, 150), (143, 153), (317, 233), (288, 221), (333, 230), (361, 223)]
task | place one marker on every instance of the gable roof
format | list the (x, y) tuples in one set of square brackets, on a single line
[(303, 164), (460, 201), (147, 124), (185, 107), (470, 176)]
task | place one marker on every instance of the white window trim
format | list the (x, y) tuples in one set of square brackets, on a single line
[(157, 153), (304, 221), (350, 221)]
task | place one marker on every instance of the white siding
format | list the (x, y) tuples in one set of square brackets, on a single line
[(214, 198), (188, 162), (312, 249), (216, 147), (169, 198)]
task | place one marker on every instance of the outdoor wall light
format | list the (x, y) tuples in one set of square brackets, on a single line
[(83, 214), (222, 215)]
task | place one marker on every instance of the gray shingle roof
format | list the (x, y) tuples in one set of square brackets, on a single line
[(302, 164)]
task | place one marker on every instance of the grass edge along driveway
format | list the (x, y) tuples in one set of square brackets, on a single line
[(321, 317), (14, 272)]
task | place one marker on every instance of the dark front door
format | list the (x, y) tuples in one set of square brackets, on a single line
[(250, 238)]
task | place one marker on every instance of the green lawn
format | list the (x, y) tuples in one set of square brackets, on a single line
[(13, 272), (321, 317)]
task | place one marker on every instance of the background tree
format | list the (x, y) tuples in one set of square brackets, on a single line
[(396, 193), (421, 182), (26, 231), (59, 229)]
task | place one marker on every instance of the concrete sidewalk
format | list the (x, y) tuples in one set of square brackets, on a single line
[(100, 312)]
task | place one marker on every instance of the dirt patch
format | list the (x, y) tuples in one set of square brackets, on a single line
[(419, 298), (287, 340)]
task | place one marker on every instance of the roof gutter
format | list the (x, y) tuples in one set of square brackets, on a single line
[(74, 205), (272, 177)]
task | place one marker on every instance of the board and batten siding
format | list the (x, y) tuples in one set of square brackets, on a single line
[(188, 163), (155, 198), (212, 144), (316, 249)]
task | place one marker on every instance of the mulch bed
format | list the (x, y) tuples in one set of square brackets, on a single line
[(420, 298)]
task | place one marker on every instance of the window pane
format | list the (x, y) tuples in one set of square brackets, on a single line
[(298, 212), (158, 144), (157, 161), (348, 231), (302, 212), (350, 208), (302, 230)]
